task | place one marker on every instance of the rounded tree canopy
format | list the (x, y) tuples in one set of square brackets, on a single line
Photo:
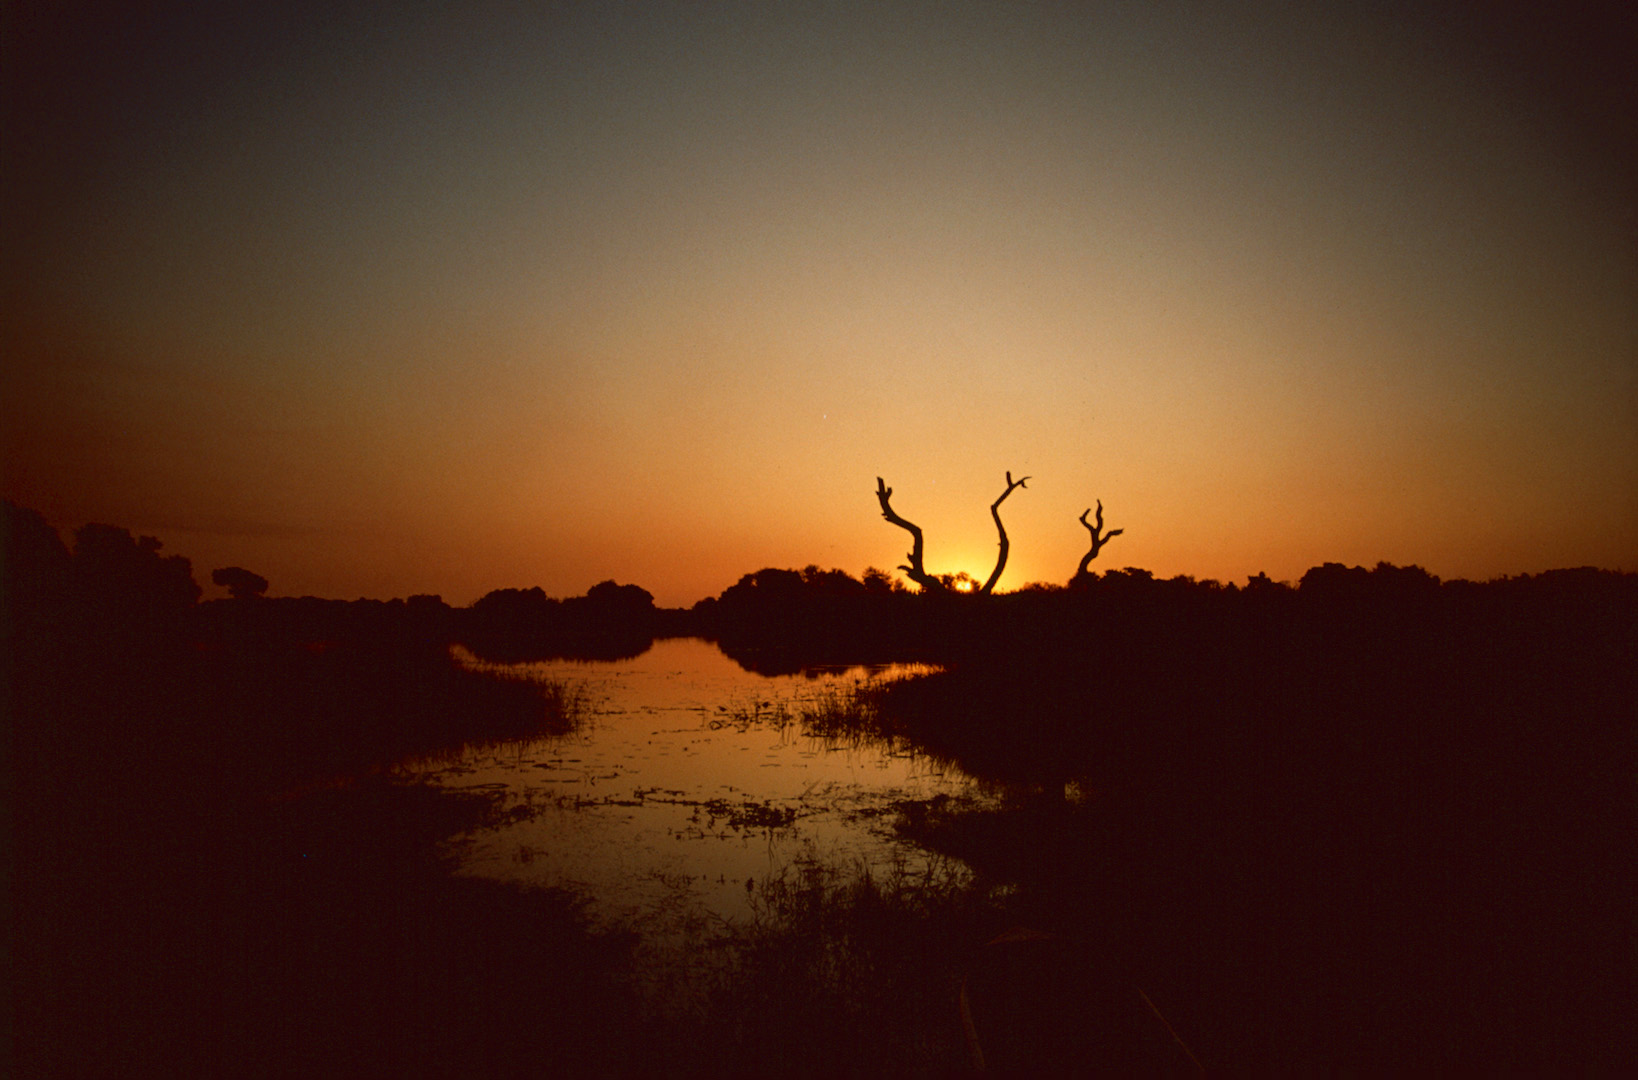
[(241, 583)]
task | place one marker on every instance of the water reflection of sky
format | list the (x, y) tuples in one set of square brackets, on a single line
[(666, 806)]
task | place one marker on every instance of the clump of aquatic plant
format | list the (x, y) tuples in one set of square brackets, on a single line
[(850, 714), (842, 713), (856, 715)]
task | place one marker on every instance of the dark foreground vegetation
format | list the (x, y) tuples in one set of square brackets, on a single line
[(208, 873), (1373, 822), (1369, 821)]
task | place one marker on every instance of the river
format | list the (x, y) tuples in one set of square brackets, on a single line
[(687, 785)]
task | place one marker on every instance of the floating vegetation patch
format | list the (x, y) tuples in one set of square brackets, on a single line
[(756, 713)]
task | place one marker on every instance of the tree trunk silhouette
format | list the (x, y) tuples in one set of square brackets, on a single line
[(917, 570), (995, 512), (1081, 572)]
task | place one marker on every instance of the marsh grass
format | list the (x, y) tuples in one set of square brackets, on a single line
[(841, 970), (565, 702), (844, 713), (515, 708), (850, 714)]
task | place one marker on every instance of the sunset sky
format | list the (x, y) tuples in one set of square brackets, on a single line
[(382, 299)]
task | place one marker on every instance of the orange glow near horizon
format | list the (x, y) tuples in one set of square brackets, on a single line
[(444, 304)]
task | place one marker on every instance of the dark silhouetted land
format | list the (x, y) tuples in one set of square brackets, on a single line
[(1368, 821)]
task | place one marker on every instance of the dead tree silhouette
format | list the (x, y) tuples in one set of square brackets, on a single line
[(1082, 572), (916, 570)]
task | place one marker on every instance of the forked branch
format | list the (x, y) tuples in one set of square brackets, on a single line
[(1097, 540), (995, 512), (916, 571)]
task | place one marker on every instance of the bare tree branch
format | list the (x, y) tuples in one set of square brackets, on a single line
[(1097, 540), (995, 512), (916, 571)]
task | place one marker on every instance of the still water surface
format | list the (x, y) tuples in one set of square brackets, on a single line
[(687, 785)]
